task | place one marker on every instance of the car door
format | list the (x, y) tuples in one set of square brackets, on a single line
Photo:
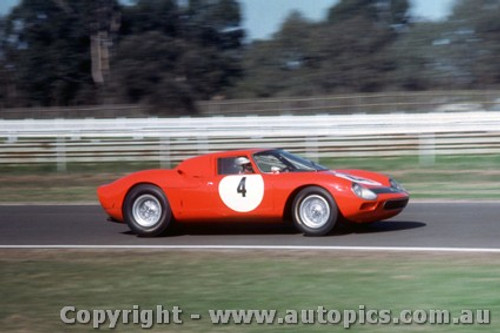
[(197, 190), (242, 192)]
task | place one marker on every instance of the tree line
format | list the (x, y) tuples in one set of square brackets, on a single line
[(169, 53)]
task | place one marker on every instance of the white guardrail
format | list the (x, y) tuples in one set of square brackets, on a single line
[(170, 140)]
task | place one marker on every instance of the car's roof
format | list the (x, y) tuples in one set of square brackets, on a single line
[(192, 165), (227, 153), (240, 152), (234, 152)]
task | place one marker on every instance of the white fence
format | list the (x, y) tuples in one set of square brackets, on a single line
[(169, 140)]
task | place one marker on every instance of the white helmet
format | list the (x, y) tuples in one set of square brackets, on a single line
[(242, 161)]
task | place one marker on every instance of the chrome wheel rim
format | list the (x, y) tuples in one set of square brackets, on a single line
[(314, 211), (147, 210)]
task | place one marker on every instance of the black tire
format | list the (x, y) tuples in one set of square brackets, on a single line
[(322, 201), (146, 211)]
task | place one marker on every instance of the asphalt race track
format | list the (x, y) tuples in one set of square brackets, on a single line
[(455, 225)]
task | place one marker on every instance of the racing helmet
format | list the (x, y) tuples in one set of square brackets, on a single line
[(242, 160)]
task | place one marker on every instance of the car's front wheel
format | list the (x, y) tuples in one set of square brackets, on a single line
[(314, 211), (146, 211)]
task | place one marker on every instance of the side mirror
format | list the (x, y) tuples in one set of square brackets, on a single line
[(275, 169)]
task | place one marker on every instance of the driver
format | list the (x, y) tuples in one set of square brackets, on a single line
[(244, 164)]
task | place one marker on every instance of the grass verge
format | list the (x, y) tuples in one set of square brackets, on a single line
[(35, 285)]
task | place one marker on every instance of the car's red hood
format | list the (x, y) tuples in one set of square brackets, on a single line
[(367, 178)]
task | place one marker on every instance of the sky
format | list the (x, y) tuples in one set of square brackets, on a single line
[(263, 17)]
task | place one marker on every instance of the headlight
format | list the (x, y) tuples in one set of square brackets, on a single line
[(397, 186), (363, 192)]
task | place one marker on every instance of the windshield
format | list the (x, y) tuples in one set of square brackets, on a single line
[(283, 161)]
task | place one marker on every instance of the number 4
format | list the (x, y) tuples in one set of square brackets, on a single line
[(241, 187)]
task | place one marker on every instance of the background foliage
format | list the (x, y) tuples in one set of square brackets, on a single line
[(169, 54)]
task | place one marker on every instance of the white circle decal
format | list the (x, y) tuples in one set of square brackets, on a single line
[(242, 193)]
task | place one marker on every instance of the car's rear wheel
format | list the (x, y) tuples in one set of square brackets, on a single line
[(314, 211), (146, 211)]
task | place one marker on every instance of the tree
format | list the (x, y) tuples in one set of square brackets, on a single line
[(420, 62), (388, 12), (192, 52), (349, 52), (151, 15), (475, 28), (355, 43), (282, 65), (84, 52), (48, 46), (214, 23), (459, 53)]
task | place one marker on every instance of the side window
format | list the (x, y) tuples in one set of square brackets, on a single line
[(227, 166), (234, 166), (266, 161)]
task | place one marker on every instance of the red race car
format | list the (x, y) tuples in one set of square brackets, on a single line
[(250, 185)]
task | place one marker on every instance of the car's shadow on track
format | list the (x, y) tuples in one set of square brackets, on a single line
[(238, 228), (203, 229), (376, 227)]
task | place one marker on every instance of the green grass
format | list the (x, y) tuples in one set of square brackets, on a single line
[(450, 177), (35, 285), (442, 163)]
